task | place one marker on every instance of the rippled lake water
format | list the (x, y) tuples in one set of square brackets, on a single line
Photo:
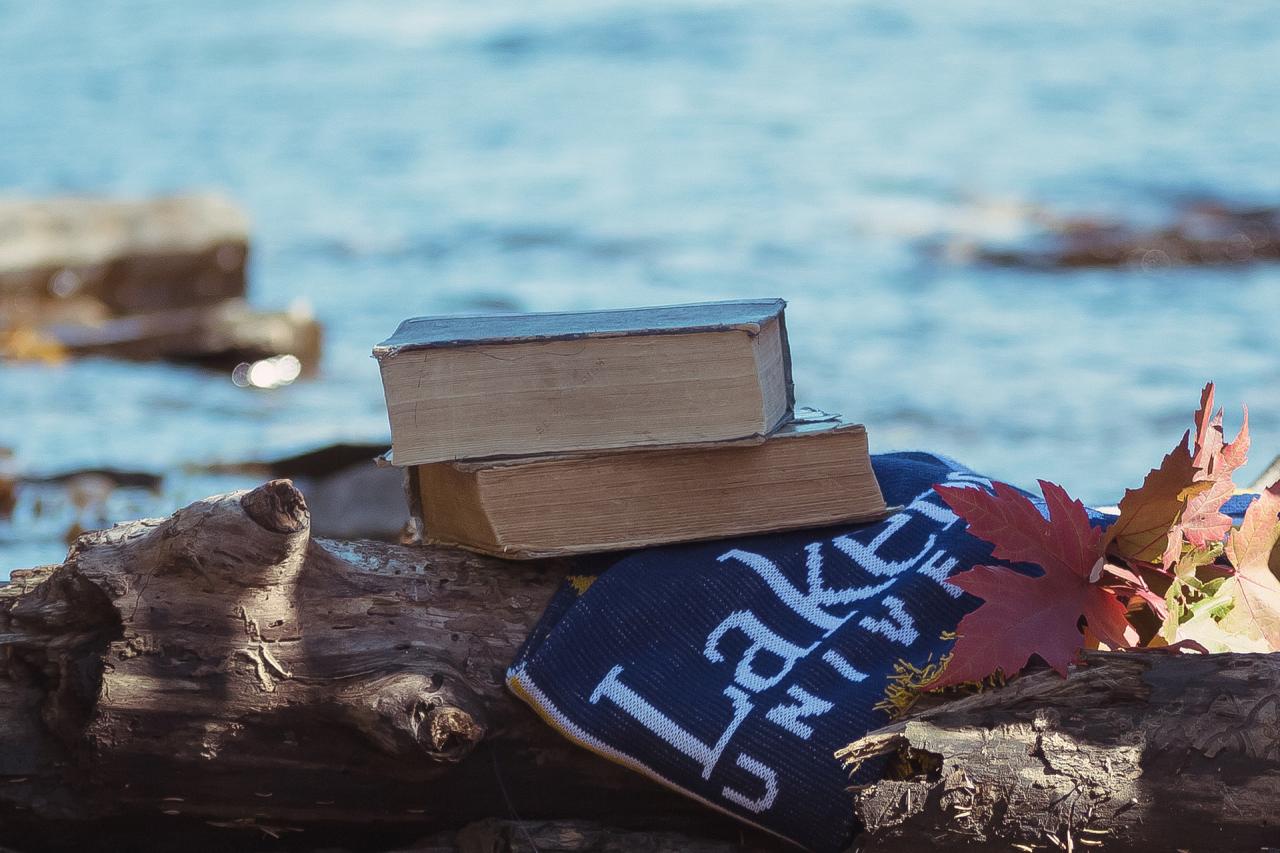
[(401, 157)]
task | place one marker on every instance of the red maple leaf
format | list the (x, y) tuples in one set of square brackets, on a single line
[(1020, 615)]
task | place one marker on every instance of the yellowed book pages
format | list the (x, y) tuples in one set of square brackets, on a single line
[(513, 385), (807, 474)]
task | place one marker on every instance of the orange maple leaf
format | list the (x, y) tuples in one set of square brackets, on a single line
[(1202, 520), (1182, 499)]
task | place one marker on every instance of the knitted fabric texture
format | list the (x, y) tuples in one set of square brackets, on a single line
[(732, 671)]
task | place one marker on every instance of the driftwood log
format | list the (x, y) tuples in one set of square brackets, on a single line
[(222, 678), (1134, 752)]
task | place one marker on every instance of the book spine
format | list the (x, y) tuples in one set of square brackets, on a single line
[(786, 364)]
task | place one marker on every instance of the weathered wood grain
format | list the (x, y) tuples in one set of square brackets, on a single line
[(219, 671), (1133, 752)]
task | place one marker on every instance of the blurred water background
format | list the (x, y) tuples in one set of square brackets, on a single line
[(403, 157)]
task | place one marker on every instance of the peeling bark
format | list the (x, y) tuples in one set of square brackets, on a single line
[(1132, 752)]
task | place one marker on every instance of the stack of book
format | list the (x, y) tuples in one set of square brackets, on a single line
[(538, 435)]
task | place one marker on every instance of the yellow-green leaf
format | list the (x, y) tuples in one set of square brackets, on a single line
[(1254, 588)]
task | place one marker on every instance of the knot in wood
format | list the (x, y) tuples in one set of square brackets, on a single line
[(446, 732), (277, 506), (1045, 719)]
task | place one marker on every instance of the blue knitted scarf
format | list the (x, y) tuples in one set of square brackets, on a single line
[(732, 671)]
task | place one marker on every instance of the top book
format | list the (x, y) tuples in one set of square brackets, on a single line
[(477, 387)]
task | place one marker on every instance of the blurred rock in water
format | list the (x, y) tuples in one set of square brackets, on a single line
[(350, 497), (129, 257), (220, 336), (1202, 232), (45, 512), (8, 483), (157, 279)]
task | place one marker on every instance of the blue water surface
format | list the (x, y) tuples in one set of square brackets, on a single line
[(402, 157)]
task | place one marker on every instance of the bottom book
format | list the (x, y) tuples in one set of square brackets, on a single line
[(813, 472)]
